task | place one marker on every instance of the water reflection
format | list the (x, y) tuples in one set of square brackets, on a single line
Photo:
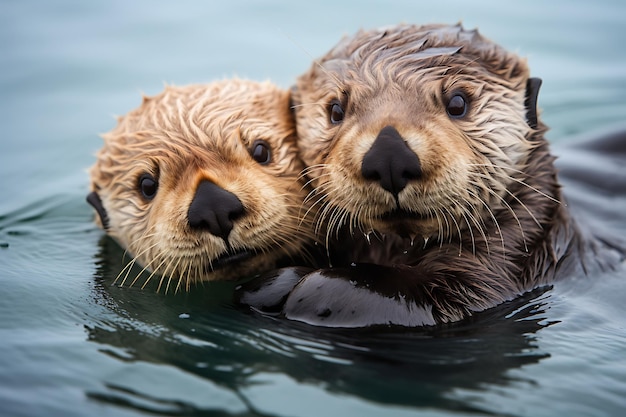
[(202, 334)]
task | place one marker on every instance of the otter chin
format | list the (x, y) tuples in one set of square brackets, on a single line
[(202, 183), (428, 158)]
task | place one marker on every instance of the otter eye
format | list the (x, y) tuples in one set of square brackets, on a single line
[(148, 186), (261, 152), (336, 112), (457, 106)]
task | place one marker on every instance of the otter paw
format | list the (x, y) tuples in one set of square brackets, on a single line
[(365, 295)]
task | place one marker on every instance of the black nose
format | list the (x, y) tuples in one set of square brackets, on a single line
[(214, 209), (391, 162)]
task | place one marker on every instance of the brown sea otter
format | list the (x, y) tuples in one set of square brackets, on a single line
[(436, 191), (202, 183)]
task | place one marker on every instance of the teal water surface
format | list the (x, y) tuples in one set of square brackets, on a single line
[(73, 344)]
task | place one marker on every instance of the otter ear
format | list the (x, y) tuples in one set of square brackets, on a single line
[(532, 92), (94, 199)]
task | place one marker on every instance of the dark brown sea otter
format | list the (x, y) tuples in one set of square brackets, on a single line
[(436, 190)]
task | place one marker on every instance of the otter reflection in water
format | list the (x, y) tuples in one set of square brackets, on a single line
[(222, 353)]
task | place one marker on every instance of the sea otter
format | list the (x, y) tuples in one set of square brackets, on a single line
[(436, 189), (202, 183)]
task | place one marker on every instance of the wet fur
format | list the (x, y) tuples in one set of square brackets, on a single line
[(485, 223), (186, 135)]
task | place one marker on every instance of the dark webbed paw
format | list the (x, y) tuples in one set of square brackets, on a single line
[(359, 296)]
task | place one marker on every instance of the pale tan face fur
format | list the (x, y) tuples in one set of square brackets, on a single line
[(186, 135), (405, 77)]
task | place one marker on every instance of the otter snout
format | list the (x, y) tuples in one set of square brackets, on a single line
[(391, 162), (214, 209)]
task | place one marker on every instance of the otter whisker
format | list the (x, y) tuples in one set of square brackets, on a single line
[(311, 195), (510, 209), (320, 200), (184, 276), (334, 214), (530, 213), (465, 213), (521, 182), (492, 215), (289, 237), (324, 212), (458, 228), (311, 176), (496, 168), (130, 265), (155, 271), (145, 268), (337, 220), (314, 167), (169, 274), (447, 230), (469, 227), (351, 218), (535, 189), (435, 213), (474, 218), (134, 259), (517, 200)]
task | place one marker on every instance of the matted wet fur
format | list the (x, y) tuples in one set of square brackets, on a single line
[(428, 158), (202, 182)]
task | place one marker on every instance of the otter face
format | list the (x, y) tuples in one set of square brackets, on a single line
[(203, 182), (417, 131)]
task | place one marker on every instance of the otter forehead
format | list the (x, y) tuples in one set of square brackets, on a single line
[(203, 115), (198, 125), (406, 52)]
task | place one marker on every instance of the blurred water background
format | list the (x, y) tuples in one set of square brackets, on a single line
[(71, 344)]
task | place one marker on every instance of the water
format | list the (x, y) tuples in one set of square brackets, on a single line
[(73, 344)]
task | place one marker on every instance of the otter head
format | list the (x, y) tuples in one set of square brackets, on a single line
[(203, 182), (417, 131)]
